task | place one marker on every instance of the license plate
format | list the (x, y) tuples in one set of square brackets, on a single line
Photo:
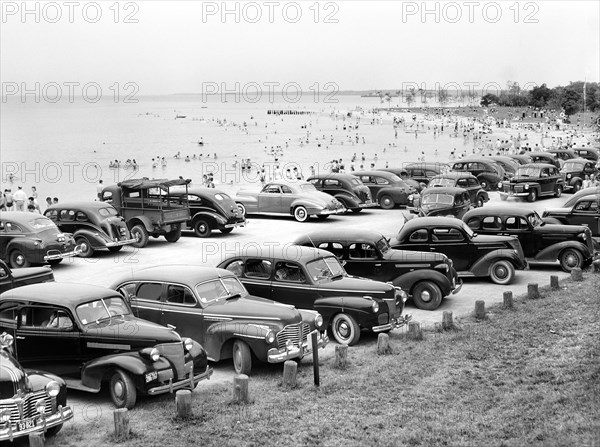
[(25, 424), (151, 376)]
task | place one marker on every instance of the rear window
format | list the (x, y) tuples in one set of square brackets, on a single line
[(42, 222)]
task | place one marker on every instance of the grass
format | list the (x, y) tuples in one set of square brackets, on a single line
[(524, 376)]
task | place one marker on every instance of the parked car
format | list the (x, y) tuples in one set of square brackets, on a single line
[(488, 172), (545, 158), (563, 155), (146, 208), (30, 238), (585, 210), (386, 188), (583, 192), (472, 255), (210, 209), (522, 159), (30, 402), (212, 306), (423, 172), (443, 201), (88, 335), (532, 181), (94, 225), (309, 278), (510, 165), (477, 195), (570, 245), (416, 186), (346, 188), (9, 279), (575, 172), (426, 277), (589, 153), (299, 199)]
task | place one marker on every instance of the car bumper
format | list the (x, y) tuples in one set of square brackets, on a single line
[(458, 286), (327, 212), (235, 225), (120, 243), (514, 194), (393, 324), (281, 355), (367, 205), (189, 383), (52, 255), (42, 423)]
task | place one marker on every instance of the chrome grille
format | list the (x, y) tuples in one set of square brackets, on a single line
[(392, 308), (298, 333), (173, 352), (519, 189), (29, 402)]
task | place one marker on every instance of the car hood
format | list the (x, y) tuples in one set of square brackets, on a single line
[(489, 238), (556, 211), (12, 377), (29, 273), (254, 307), (413, 256), (436, 207), (560, 229), (131, 331), (354, 285)]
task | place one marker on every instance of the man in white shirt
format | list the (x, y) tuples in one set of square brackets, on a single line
[(20, 197)]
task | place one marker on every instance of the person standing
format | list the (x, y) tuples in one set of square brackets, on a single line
[(99, 189), (20, 198)]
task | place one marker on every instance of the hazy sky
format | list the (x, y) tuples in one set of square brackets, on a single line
[(185, 46)]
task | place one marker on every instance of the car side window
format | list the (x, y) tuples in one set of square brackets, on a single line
[(418, 236), (315, 181), (8, 316), (81, 217), (474, 223), (289, 271), (67, 215), (12, 228), (180, 295), (333, 247), (127, 290), (491, 223), (331, 182), (286, 189), (366, 179), (446, 235), (586, 205), (271, 189), (362, 251), (107, 196), (258, 268), (51, 214), (46, 318), (236, 267), (512, 223), (462, 183), (473, 182), (150, 291)]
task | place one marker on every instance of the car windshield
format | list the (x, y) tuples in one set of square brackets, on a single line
[(571, 166), (220, 288), (468, 230), (383, 245), (442, 182), (444, 199), (308, 187), (325, 268), (106, 212), (41, 223), (394, 178), (529, 171), (356, 182), (534, 219), (102, 309)]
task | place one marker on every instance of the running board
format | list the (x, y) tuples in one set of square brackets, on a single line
[(77, 385)]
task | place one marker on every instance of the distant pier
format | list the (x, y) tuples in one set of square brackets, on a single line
[(289, 112)]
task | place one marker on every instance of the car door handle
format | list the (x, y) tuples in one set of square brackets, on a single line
[(377, 265), (20, 337)]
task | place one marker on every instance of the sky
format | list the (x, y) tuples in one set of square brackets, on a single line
[(192, 46)]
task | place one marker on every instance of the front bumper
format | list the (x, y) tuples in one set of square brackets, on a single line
[(281, 355), (189, 383), (119, 243), (458, 286), (514, 194), (235, 225), (42, 423), (367, 205), (393, 324), (52, 255)]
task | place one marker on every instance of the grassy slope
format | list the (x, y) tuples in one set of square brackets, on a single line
[(525, 376)]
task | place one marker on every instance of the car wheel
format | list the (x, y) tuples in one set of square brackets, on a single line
[(502, 272), (576, 186), (52, 431), (202, 228), (345, 329), (558, 191), (532, 197), (300, 214), (322, 216), (86, 248), (242, 358), (480, 201), (18, 260), (115, 249), (140, 234), (122, 390), (242, 209), (484, 184), (427, 295), (386, 202), (173, 235), (226, 230), (569, 259)]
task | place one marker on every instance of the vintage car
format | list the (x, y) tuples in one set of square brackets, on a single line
[(89, 336), (575, 172), (212, 306), (423, 172), (532, 181), (346, 188), (412, 183), (589, 153), (30, 238), (563, 155), (94, 225), (309, 278), (210, 209), (10, 279), (30, 402), (426, 277), (299, 199), (472, 255), (585, 210), (387, 189), (442, 201), (570, 245), (488, 172), (522, 159), (477, 195), (544, 157), (509, 164)]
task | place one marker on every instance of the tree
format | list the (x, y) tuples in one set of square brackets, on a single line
[(571, 101), (539, 96), (442, 96), (489, 99), (410, 96)]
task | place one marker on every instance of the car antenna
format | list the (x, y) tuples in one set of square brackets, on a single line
[(311, 241)]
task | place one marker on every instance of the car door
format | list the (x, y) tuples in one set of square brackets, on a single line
[(256, 276), (520, 227), (331, 186), (147, 300), (181, 309), (369, 182), (453, 243), (290, 285), (269, 199), (587, 212), (363, 259), (66, 220), (287, 197)]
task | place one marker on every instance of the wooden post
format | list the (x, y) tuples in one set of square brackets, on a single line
[(447, 321), (314, 336), (183, 403), (414, 331), (507, 300), (554, 282), (480, 309), (383, 344), (36, 439), (533, 292), (240, 388), (341, 357), (576, 274), (121, 418), (290, 368)]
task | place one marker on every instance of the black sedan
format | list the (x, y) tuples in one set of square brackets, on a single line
[(9, 279), (386, 188), (443, 201), (346, 188)]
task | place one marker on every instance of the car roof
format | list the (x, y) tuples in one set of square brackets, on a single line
[(183, 274), (288, 182), (454, 175), (540, 165), (561, 151), (348, 234), (335, 175), (579, 160), (65, 294), (95, 205), (291, 253), (385, 174), (425, 164), (432, 221), (582, 193), (497, 211), (144, 183), (451, 190), (195, 189), (20, 216), (542, 154), (476, 159)]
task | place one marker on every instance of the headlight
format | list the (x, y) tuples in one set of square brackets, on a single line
[(568, 175), (270, 336), (52, 388), (318, 321), (188, 344), (154, 354), (375, 306), (6, 340), (499, 184), (5, 415), (526, 185), (40, 406)]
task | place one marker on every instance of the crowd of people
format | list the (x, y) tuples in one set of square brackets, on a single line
[(20, 201)]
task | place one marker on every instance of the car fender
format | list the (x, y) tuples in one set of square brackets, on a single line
[(220, 336), (356, 306), (311, 206), (250, 202), (351, 200), (209, 215), (483, 265), (408, 280), (144, 220), (574, 180), (398, 194), (96, 239), (551, 253), (27, 247)]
